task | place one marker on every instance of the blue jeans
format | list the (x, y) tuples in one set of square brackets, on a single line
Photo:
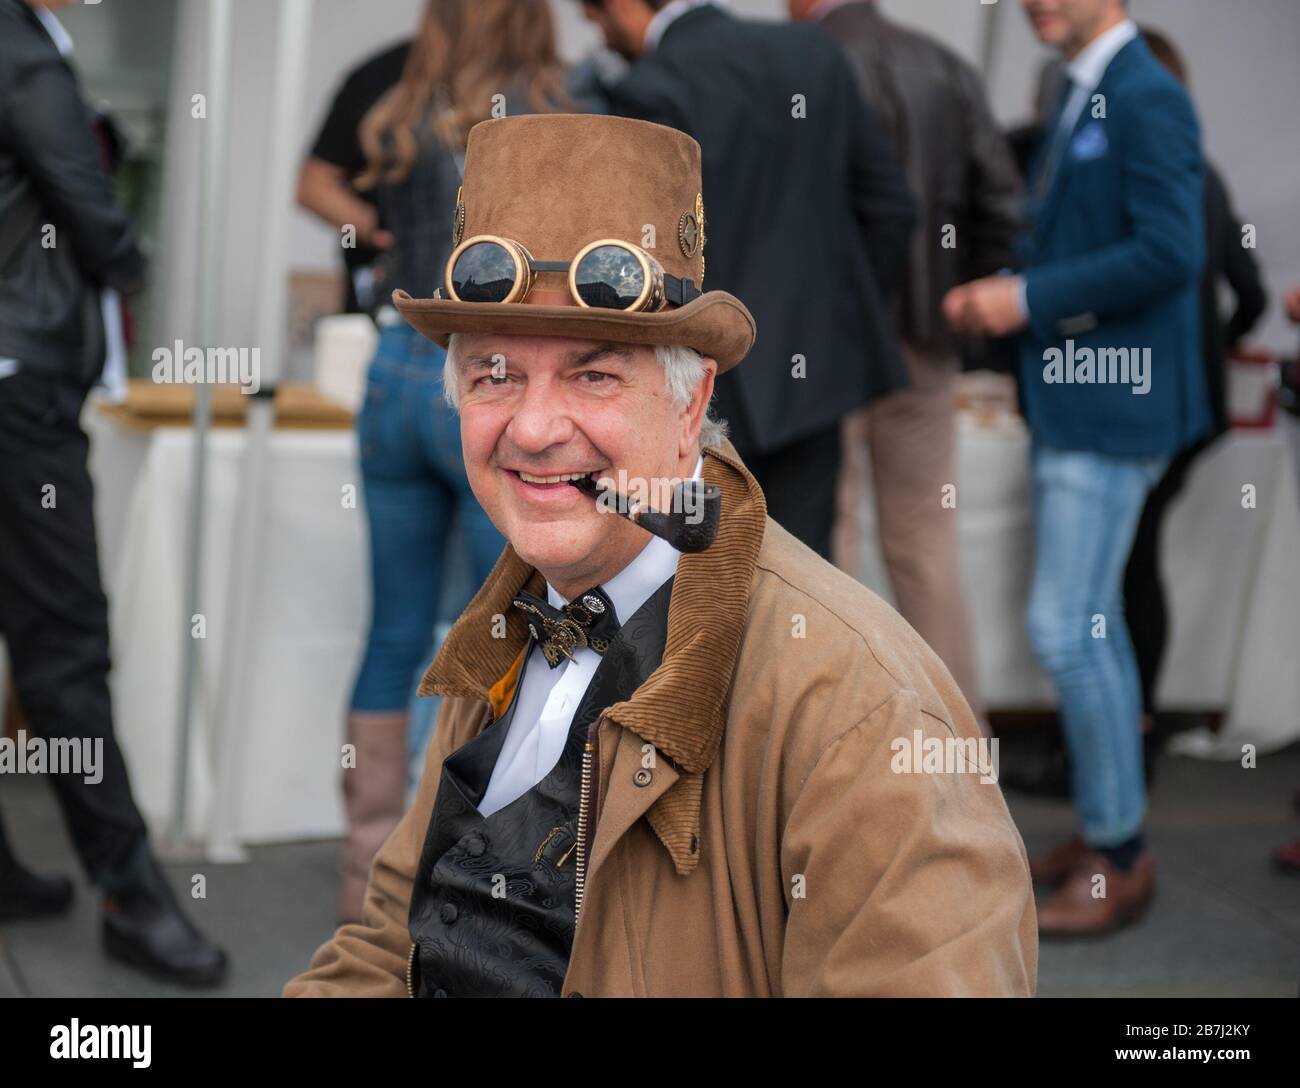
[(1086, 511), (415, 487)]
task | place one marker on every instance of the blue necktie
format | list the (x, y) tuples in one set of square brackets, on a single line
[(1058, 136)]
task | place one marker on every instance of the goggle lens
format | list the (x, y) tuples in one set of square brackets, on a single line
[(484, 272), (609, 277)]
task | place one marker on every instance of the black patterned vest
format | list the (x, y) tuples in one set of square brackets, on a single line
[(492, 906)]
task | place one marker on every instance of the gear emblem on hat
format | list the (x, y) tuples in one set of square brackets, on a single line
[(688, 233)]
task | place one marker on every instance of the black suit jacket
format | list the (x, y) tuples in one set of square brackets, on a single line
[(807, 218)]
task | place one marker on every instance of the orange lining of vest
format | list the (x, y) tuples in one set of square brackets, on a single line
[(500, 693)]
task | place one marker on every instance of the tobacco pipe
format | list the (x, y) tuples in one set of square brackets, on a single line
[(690, 526)]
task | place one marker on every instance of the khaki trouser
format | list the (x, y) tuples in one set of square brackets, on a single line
[(907, 440)]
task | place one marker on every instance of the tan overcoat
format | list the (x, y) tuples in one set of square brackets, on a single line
[(755, 830)]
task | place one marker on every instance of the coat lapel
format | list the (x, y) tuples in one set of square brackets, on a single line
[(681, 708), (1056, 183), (1114, 70)]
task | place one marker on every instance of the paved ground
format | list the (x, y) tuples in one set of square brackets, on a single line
[(1224, 923)]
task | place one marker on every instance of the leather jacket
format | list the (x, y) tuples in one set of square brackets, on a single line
[(959, 167), (51, 177)]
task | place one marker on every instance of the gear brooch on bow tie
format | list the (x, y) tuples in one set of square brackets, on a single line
[(588, 621)]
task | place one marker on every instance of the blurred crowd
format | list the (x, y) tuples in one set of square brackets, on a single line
[(887, 234)]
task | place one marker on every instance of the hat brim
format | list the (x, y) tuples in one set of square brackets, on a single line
[(716, 324)]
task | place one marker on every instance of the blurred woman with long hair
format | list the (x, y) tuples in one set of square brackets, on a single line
[(469, 60)]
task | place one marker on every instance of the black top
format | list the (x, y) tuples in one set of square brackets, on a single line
[(1228, 260), (338, 142), (419, 208)]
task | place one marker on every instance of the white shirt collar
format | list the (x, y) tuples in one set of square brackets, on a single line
[(631, 587), (61, 38), (1094, 58), (669, 14)]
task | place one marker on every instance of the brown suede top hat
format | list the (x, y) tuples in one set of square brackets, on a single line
[(556, 182)]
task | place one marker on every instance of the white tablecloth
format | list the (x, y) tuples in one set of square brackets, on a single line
[(1234, 591), (1232, 581), (308, 627)]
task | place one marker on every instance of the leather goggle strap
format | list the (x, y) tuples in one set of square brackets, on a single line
[(677, 291), (680, 291)]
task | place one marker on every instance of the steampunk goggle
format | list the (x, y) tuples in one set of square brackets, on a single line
[(606, 274)]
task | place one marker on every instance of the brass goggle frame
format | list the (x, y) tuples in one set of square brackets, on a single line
[(656, 284)]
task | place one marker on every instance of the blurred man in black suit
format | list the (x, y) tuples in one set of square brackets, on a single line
[(809, 217), (932, 107)]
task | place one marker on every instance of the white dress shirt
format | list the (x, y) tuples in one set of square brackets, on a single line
[(1087, 68), (548, 698), (58, 35)]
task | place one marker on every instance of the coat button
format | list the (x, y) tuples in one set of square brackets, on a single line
[(440, 993), (642, 777), (448, 913), (476, 846)]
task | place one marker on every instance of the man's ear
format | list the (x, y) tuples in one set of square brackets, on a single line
[(693, 416)]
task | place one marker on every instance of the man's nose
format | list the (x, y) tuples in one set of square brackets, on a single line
[(541, 419)]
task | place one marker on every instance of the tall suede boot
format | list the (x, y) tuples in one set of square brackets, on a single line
[(374, 797)]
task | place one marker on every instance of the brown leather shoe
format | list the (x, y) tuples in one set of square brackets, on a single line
[(1075, 911), (1055, 865)]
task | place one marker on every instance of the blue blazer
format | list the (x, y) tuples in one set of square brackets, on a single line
[(1112, 264)]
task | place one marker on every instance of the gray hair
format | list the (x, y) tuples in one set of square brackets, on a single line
[(684, 369)]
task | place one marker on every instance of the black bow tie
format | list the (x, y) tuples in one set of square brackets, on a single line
[(587, 620)]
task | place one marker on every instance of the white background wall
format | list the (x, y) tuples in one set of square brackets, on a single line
[(1244, 58)]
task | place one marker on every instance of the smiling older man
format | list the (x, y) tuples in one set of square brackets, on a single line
[(660, 773)]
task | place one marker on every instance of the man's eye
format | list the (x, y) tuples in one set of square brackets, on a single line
[(493, 378), (598, 375)]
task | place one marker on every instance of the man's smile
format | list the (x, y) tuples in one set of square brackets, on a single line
[(565, 477), (550, 487)]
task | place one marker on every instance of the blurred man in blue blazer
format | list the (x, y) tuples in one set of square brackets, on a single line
[(1112, 386)]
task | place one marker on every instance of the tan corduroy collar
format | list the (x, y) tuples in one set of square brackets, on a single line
[(681, 708)]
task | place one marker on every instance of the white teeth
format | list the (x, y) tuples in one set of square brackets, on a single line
[(528, 477)]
